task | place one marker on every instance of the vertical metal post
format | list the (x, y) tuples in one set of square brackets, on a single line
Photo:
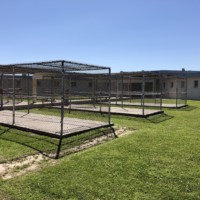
[(143, 93), (186, 89), (109, 96), (98, 92), (28, 93), (122, 89), (93, 90), (51, 90), (129, 88), (13, 96), (176, 92), (154, 89), (2, 91), (100, 103), (117, 90), (62, 109), (69, 95), (161, 90)]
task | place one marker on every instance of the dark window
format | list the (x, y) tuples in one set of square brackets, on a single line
[(164, 85), (119, 86), (136, 87), (73, 84), (148, 86), (107, 85), (182, 84), (172, 84), (196, 84), (90, 84), (125, 86), (38, 83), (18, 84)]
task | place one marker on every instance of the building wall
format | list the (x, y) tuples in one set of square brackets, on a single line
[(174, 88), (92, 85), (22, 84), (193, 93), (133, 85)]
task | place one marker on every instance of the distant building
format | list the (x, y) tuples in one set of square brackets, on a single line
[(169, 82)]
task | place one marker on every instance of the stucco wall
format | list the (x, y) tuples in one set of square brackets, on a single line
[(193, 93)]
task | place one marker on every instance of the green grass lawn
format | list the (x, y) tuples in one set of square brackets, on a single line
[(155, 100), (159, 160)]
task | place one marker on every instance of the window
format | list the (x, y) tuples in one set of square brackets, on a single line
[(136, 87), (148, 86), (73, 84), (172, 84), (18, 84), (90, 84), (196, 84), (182, 84), (119, 86), (38, 83), (125, 86), (164, 85)]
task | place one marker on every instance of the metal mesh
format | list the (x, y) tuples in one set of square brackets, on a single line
[(51, 66), (136, 90), (58, 98), (175, 91)]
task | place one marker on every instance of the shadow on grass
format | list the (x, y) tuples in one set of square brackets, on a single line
[(48, 146), (40, 144), (188, 108), (84, 141), (159, 118)]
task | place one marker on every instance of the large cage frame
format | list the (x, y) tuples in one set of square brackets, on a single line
[(158, 92), (122, 89), (178, 90), (62, 69)]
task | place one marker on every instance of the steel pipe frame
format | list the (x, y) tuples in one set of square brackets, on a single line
[(141, 76), (62, 111), (2, 91), (176, 90), (22, 68)]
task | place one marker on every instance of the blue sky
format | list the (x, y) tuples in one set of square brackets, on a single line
[(127, 35)]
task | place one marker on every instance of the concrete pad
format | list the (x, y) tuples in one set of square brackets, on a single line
[(116, 110), (164, 105), (49, 125)]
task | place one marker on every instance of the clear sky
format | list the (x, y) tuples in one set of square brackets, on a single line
[(127, 35)]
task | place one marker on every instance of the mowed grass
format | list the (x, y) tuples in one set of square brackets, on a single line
[(159, 160), (15, 144), (155, 100)]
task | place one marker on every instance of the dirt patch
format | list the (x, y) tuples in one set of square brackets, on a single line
[(21, 166), (123, 131), (36, 162)]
